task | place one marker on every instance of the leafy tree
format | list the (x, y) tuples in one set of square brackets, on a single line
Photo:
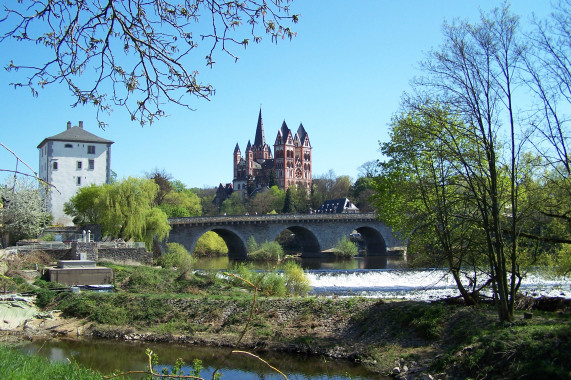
[(142, 51), (124, 210), (181, 204), (420, 192), (266, 201), (288, 202), (23, 212), (233, 205), (474, 74), (361, 192)]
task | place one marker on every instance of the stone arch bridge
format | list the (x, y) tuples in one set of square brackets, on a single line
[(316, 233)]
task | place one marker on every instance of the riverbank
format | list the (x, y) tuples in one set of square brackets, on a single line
[(404, 339)]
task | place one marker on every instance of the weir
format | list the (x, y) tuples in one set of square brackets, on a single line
[(316, 233)]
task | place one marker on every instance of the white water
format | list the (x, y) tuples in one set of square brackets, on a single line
[(421, 285)]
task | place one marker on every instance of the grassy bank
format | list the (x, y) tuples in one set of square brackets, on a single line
[(15, 365), (154, 304)]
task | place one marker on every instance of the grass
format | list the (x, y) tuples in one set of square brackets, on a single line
[(15, 365)]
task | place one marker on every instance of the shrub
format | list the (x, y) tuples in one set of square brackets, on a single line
[(176, 256), (345, 248), (270, 251), (296, 281)]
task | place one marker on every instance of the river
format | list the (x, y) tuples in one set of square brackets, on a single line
[(107, 356)]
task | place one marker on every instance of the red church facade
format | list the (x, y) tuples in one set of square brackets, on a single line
[(289, 166)]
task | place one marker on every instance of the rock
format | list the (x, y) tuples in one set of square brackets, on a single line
[(405, 368), (396, 371)]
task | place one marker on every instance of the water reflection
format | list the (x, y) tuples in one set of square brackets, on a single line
[(330, 263), (108, 356)]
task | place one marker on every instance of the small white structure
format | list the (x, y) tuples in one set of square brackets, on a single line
[(72, 159)]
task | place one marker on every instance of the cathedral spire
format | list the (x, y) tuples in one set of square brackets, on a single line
[(260, 139)]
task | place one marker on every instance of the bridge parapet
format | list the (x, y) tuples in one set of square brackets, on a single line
[(276, 218)]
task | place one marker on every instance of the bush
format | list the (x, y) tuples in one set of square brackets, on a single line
[(296, 281), (269, 251), (345, 248), (291, 281), (176, 256)]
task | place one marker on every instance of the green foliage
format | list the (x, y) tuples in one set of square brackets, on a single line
[(149, 280), (233, 205), (176, 256), (291, 280), (296, 281), (123, 209), (267, 251), (251, 244), (345, 248), (17, 365), (210, 244)]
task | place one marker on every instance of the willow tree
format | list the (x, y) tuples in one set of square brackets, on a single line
[(123, 209)]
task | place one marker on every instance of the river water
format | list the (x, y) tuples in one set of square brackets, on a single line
[(108, 356), (383, 277), (389, 277)]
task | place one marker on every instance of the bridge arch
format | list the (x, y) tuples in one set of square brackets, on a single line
[(236, 246), (306, 238), (376, 245)]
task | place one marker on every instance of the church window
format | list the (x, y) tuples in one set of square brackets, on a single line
[(91, 149), (78, 181), (79, 165), (68, 146), (91, 164), (54, 165)]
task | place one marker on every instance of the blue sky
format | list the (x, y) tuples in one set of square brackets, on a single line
[(342, 77)]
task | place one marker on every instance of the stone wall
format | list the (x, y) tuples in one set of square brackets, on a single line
[(126, 255)]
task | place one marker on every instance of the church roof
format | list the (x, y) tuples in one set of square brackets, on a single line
[(260, 139), (76, 134), (237, 149), (301, 132)]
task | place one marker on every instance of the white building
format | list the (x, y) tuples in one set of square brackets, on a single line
[(72, 159)]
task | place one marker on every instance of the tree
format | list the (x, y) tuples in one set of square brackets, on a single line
[(266, 201), (474, 75), (420, 192), (163, 180), (233, 205), (142, 51), (124, 210), (23, 212)]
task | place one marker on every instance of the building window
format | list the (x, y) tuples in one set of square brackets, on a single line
[(78, 164), (91, 164), (68, 146), (78, 181), (54, 165), (91, 149)]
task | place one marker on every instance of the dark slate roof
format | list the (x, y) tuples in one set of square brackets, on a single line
[(76, 134), (301, 133), (260, 139), (237, 149), (249, 146)]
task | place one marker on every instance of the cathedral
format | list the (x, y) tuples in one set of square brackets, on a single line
[(290, 165)]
